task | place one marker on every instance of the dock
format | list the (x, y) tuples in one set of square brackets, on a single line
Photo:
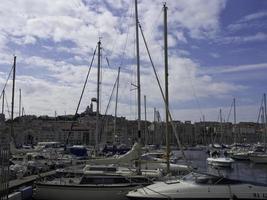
[(15, 184)]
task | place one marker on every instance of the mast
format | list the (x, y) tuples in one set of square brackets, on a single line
[(221, 127), (12, 114), (19, 102), (138, 85), (138, 73), (146, 135), (265, 116), (166, 87), (116, 105), (22, 111), (204, 132), (13, 95), (97, 98), (3, 102), (235, 134)]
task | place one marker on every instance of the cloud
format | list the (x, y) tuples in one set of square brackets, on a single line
[(52, 79), (245, 113), (258, 37), (214, 55), (253, 16), (236, 68), (253, 21)]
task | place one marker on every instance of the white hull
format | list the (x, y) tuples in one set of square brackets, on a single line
[(48, 192), (190, 190), (174, 168), (220, 162)]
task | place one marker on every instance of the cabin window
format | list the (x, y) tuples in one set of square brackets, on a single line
[(120, 180), (91, 180), (139, 180), (105, 169)]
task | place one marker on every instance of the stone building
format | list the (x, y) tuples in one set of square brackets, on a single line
[(82, 128)]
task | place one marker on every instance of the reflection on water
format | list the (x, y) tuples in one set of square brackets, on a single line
[(241, 170)]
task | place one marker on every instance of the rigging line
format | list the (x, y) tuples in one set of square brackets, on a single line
[(8, 111), (260, 110), (228, 117), (78, 106), (97, 10), (6, 81), (124, 18), (112, 92), (164, 99), (218, 119), (195, 94), (105, 119), (156, 22), (126, 42)]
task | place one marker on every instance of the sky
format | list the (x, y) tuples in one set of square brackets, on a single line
[(216, 50)]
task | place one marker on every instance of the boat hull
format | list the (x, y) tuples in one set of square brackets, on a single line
[(200, 186), (240, 156), (144, 198), (51, 192), (219, 163), (261, 159), (190, 192)]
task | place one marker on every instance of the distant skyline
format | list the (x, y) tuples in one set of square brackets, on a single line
[(217, 52)]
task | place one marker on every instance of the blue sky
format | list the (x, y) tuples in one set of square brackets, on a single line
[(217, 52)]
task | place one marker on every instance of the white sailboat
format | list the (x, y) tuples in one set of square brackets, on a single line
[(200, 186), (220, 161), (261, 158), (110, 183), (197, 186), (97, 186)]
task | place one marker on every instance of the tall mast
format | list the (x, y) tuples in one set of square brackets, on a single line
[(13, 95), (265, 116), (22, 111), (116, 105), (166, 86), (19, 102), (146, 135), (221, 127), (204, 132), (97, 98), (138, 73), (138, 86), (3, 102), (235, 136)]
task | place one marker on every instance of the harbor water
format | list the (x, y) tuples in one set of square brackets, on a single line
[(241, 170)]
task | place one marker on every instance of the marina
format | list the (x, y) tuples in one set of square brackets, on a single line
[(109, 147)]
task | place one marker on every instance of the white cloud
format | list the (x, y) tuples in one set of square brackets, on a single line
[(236, 69), (258, 37), (29, 22), (251, 21), (245, 113), (253, 16), (214, 55)]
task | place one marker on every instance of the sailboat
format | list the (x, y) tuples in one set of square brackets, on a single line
[(197, 186), (101, 181), (220, 161), (261, 158), (96, 181)]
